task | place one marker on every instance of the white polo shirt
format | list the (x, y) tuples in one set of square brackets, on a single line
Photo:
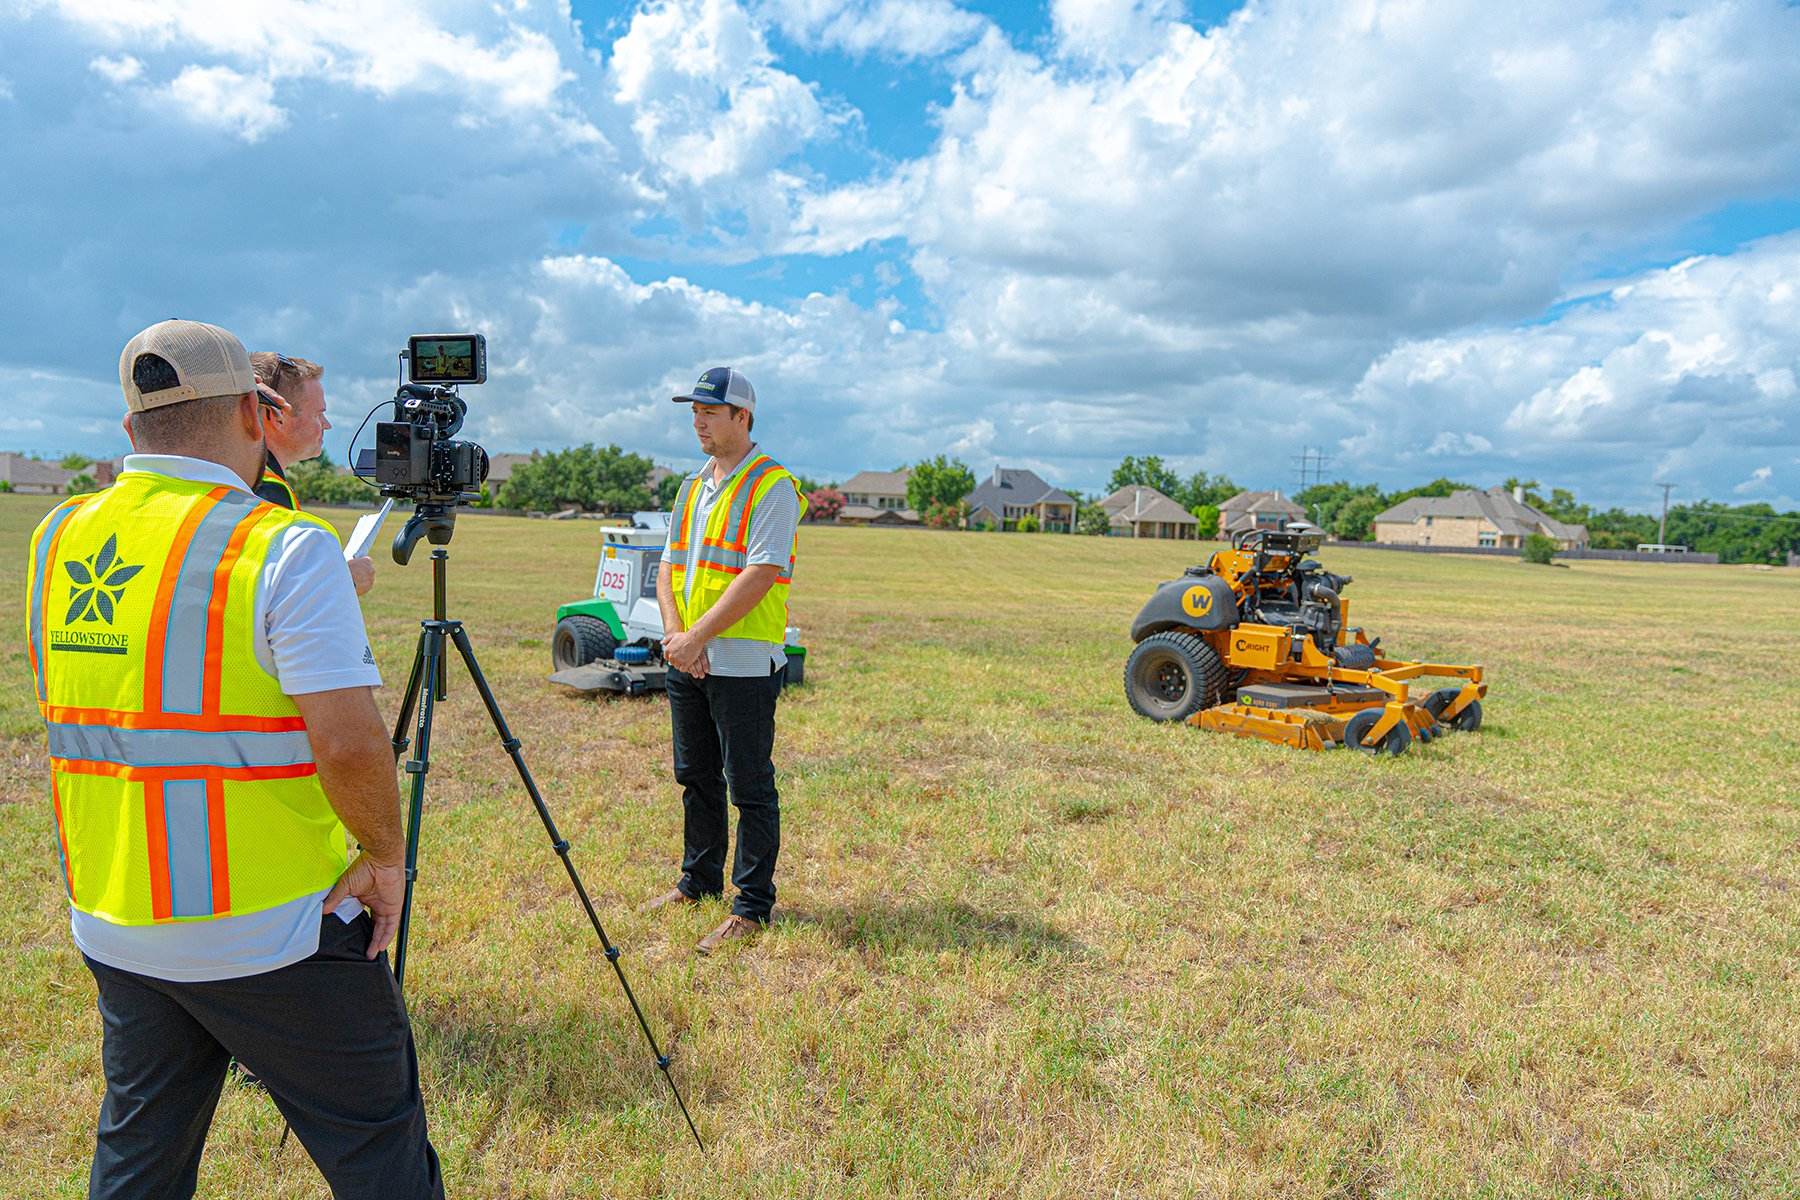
[(310, 636)]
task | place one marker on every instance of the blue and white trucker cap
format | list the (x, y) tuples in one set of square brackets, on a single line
[(721, 385)]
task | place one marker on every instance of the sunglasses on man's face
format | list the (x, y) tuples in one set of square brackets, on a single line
[(283, 362)]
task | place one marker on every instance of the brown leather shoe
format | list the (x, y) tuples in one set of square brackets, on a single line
[(734, 928), (673, 896)]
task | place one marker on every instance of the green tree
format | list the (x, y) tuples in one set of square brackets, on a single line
[(318, 481), (5, 486), (74, 462), (83, 483), (1539, 548), (1026, 524), (668, 488), (1093, 521), (1202, 488), (1208, 516), (603, 479), (1148, 471), (1324, 501), (1744, 534), (1355, 520), (938, 481)]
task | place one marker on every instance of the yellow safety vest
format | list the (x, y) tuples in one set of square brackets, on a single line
[(724, 550), (283, 486), (182, 778)]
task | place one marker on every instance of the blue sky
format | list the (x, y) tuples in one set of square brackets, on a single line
[(1554, 241)]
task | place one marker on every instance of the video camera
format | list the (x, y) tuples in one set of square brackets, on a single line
[(415, 459)]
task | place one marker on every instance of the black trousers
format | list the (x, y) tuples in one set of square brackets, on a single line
[(327, 1035), (724, 736)]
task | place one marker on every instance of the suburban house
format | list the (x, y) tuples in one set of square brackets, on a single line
[(28, 476), (1474, 519), (876, 498), (1140, 511), (1257, 510), (1012, 493), (500, 469)]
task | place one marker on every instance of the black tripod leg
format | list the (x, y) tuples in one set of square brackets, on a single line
[(428, 665), (409, 698), (560, 844)]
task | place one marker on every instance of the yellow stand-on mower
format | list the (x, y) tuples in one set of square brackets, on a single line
[(1257, 643)]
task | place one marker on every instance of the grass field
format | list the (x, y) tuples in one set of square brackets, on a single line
[(1029, 945)]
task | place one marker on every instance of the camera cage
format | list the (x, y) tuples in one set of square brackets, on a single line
[(415, 459)]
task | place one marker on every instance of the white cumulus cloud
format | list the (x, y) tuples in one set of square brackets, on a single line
[(221, 97), (900, 29), (122, 69)]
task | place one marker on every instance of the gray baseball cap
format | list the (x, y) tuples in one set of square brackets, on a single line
[(721, 385)]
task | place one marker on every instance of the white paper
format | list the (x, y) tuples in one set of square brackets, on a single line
[(363, 536)]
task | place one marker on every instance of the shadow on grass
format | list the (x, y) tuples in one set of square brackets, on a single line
[(936, 925)]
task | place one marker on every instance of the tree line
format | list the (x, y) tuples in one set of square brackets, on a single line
[(609, 479), (1745, 533)]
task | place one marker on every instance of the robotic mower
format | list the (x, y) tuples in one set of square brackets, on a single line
[(1257, 644), (612, 641)]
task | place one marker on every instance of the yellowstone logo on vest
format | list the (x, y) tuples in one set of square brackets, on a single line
[(97, 584)]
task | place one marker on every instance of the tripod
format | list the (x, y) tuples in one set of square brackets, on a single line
[(427, 685)]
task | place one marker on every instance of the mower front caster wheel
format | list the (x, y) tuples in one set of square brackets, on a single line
[(1466, 721), (1398, 739)]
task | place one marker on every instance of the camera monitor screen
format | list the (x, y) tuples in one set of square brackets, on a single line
[(445, 358)]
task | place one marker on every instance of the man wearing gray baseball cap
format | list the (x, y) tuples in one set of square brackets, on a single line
[(723, 591), (207, 689)]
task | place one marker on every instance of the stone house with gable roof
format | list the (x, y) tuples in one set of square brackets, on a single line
[(29, 477), (1258, 510), (1012, 493), (1139, 510), (1473, 519), (877, 498)]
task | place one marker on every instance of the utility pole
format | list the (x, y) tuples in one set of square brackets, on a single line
[(1662, 526), (1311, 461)]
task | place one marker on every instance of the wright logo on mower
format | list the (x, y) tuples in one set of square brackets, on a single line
[(1256, 643)]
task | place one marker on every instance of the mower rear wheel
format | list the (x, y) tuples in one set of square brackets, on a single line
[(578, 640), (1398, 739), (1172, 676), (1466, 721)]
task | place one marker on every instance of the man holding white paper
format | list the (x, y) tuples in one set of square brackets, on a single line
[(296, 434)]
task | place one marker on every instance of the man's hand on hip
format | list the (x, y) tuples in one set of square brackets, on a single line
[(382, 889)]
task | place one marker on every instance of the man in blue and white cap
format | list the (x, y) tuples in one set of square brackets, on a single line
[(723, 593)]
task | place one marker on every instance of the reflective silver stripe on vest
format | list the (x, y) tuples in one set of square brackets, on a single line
[(41, 569), (680, 514), (190, 848), (184, 648), (178, 747), (730, 560)]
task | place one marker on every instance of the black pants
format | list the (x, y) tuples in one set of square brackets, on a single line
[(327, 1035), (724, 734)]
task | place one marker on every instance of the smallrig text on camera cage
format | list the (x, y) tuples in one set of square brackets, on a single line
[(416, 461)]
